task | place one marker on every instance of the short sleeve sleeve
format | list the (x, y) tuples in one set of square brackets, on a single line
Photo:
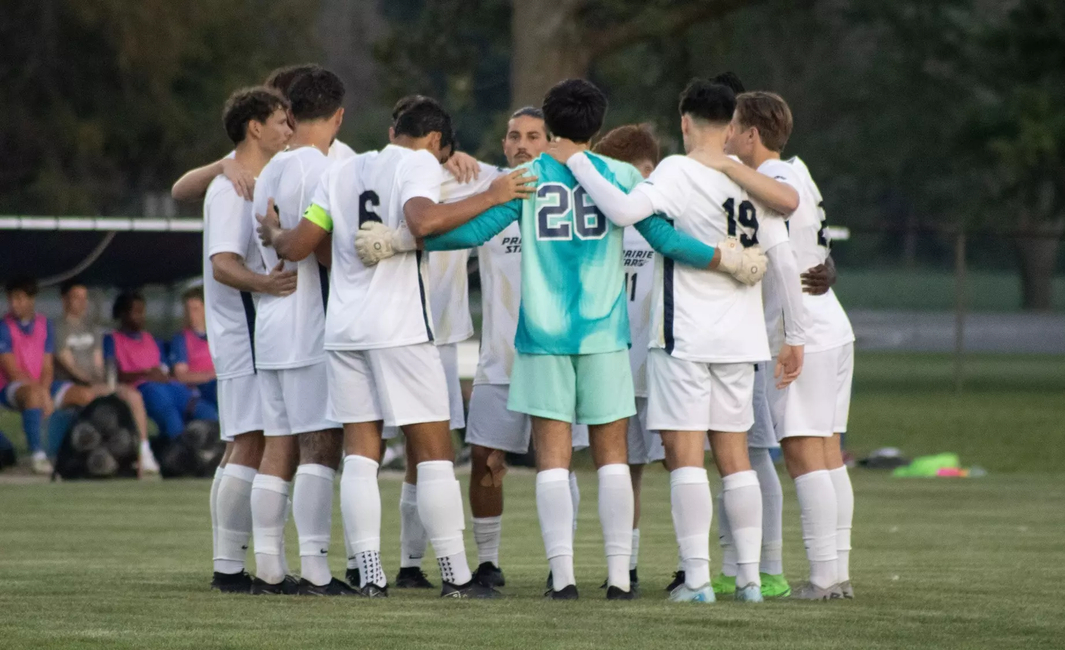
[(5, 339), (228, 228), (109, 346), (178, 351), (772, 228), (420, 178), (665, 187)]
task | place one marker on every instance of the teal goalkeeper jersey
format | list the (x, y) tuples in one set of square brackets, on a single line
[(572, 259)]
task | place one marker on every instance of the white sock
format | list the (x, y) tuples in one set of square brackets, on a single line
[(312, 509), (616, 506), (269, 510), (817, 502), (575, 496), (234, 518), (692, 508), (360, 506), (772, 511), (743, 502), (487, 531), (412, 537), (841, 481), (554, 506), (214, 510), (635, 549), (724, 535), (440, 509)]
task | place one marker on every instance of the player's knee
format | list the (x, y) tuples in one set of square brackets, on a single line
[(34, 396)]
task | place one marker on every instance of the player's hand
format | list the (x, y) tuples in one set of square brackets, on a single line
[(818, 280), (518, 184), (242, 179), (375, 242), (713, 160), (280, 282), (789, 364), (269, 224), (562, 149), (463, 167), (747, 265)]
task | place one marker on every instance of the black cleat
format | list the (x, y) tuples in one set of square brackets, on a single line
[(287, 587), (334, 588), (469, 590), (678, 580), (567, 593), (373, 591), (412, 577), (550, 585), (615, 593), (489, 575), (353, 577), (231, 583), (634, 582)]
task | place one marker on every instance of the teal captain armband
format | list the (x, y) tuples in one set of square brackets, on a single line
[(317, 215)]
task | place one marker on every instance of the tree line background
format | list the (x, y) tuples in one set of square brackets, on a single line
[(917, 117)]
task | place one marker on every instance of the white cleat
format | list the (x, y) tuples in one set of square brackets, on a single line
[(752, 593), (847, 590), (810, 591), (148, 464), (685, 594), (40, 464)]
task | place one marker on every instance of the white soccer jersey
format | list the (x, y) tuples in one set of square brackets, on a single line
[(230, 313), (639, 277), (827, 325), (289, 331), (499, 261), (449, 292), (773, 230), (339, 151), (702, 315), (385, 305)]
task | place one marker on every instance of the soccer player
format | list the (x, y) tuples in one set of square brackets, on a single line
[(572, 337), (383, 367), (256, 121), (290, 360), (190, 354), (700, 379), (811, 413), (636, 145)]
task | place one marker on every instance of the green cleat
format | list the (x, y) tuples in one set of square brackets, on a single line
[(723, 585), (775, 586)]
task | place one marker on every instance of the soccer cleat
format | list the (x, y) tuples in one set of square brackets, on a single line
[(846, 589), (231, 583), (616, 593), (634, 582), (685, 594), (334, 588), (775, 586), (147, 463), (372, 591), (40, 464), (489, 575), (678, 580), (550, 585), (810, 591), (469, 590), (412, 577), (723, 585), (353, 577), (750, 593), (569, 592), (287, 587)]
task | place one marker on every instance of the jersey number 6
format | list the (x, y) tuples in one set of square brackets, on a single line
[(564, 210)]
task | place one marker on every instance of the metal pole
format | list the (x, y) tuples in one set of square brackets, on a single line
[(959, 311)]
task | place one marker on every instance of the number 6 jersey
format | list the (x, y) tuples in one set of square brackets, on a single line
[(385, 305), (702, 315)]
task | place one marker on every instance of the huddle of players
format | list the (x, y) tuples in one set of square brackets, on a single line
[(318, 366)]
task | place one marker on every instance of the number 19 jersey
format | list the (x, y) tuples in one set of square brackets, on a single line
[(385, 305)]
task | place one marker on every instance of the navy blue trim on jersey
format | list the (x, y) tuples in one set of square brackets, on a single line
[(667, 303), (323, 279), (421, 294), (249, 317)]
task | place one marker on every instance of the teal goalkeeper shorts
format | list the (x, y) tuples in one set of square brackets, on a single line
[(581, 388)]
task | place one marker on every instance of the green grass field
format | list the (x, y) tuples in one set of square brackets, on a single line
[(938, 563)]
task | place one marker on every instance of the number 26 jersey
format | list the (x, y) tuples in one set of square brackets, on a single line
[(385, 305)]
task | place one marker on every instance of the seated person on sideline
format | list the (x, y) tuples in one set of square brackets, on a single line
[(26, 368), (79, 360), (190, 358), (136, 356)]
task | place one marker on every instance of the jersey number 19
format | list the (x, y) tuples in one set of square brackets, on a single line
[(747, 220)]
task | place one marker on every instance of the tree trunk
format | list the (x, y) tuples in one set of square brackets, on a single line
[(1037, 257), (547, 48)]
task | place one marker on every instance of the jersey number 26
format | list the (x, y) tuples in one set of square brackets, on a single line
[(562, 210)]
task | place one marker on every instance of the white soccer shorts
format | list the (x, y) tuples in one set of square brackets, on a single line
[(763, 434), (695, 396), (449, 356), (491, 425), (644, 446), (240, 406), (401, 385), (294, 400), (818, 402)]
